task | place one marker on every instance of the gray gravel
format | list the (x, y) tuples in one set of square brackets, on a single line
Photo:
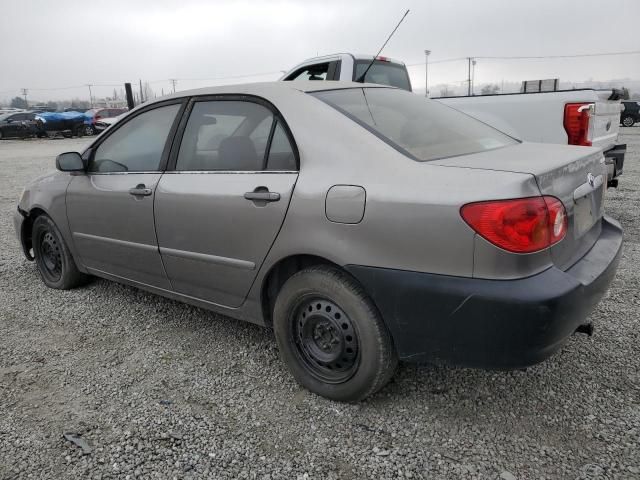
[(158, 389)]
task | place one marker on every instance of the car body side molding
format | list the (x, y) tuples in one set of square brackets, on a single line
[(115, 241), (203, 257)]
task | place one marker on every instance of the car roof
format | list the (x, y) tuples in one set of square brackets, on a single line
[(356, 56), (266, 88)]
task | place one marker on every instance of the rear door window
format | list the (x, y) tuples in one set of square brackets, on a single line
[(225, 135)]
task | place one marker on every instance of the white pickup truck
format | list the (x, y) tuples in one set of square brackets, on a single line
[(573, 117), (349, 67)]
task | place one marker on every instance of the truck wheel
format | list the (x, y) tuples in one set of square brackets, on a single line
[(331, 335), (628, 121), (53, 258)]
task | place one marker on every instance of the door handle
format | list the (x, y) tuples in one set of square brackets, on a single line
[(140, 191), (262, 196)]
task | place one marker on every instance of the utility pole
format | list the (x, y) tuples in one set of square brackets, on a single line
[(473, 76), (24, 92), (141, 94), (90, 95), (173, 83), (426, 72), (468, 76)]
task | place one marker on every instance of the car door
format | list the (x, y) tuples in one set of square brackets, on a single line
[(221, 207), (14, 123), (110, 208)]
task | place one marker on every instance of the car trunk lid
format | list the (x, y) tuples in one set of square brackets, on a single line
[(575, 175)]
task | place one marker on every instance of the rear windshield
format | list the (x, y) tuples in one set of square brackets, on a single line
[(420, 128), (383, 73)]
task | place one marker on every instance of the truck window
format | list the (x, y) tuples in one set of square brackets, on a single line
[(311, 72), (383, 73)]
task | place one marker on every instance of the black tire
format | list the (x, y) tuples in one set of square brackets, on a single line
[(331, 335), (1, 135), (53, 258), (628, 121), (89, 130)]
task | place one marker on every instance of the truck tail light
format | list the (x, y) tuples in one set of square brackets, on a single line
[(577, 123), (521, 225)]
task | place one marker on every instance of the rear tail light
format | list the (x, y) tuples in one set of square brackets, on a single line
[(521, 225), (382, 59), (577, 123)]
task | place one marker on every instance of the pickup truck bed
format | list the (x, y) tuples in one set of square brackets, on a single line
[(542, 117)]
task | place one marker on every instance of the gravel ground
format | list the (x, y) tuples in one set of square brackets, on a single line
[(159, 389)]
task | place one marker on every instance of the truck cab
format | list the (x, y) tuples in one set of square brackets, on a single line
[(349, 67)]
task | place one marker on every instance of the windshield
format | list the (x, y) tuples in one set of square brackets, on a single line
[(4, 116), (420, 128), (383, 73)]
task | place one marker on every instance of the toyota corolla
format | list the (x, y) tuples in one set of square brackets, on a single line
[(364, 224)]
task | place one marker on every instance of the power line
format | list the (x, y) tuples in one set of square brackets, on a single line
[(528, 57), (578, 55)]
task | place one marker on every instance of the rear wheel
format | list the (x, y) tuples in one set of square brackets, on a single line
[(53, 258), (628, 121), (331, 335), (89, 130)]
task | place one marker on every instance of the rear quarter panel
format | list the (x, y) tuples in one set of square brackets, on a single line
[(411, 220)]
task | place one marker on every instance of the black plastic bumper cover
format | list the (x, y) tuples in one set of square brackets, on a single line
[(491, 323), (616, 156)]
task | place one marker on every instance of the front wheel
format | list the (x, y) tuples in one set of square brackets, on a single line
[(628, 121), (331, 335), (53, 258)]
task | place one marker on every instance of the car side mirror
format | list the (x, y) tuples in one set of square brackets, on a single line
[(70, 162)]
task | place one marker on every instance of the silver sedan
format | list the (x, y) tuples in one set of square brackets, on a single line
[(364, 224)]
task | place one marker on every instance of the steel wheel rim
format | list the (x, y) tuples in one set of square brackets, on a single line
[(51, 256), (627, 122), (88, 130), (326, 340)]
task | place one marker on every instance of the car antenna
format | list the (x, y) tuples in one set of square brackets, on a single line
[(362, 77)]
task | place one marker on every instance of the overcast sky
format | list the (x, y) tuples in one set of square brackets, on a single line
[(66, 43)]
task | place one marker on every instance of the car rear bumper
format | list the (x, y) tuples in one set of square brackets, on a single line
[(481, 323)]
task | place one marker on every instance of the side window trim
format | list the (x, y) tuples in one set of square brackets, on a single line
[(267, 149), (168, 143), (188, 108), (331, 71)]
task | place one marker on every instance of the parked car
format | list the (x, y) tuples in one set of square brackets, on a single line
[(66, 124), (95, 114), (363, 229), (105, 123), (349, 67), (571, 117), (630, 113), (21, 125)]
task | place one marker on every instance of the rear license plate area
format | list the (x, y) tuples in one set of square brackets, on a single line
[(586, 211)]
